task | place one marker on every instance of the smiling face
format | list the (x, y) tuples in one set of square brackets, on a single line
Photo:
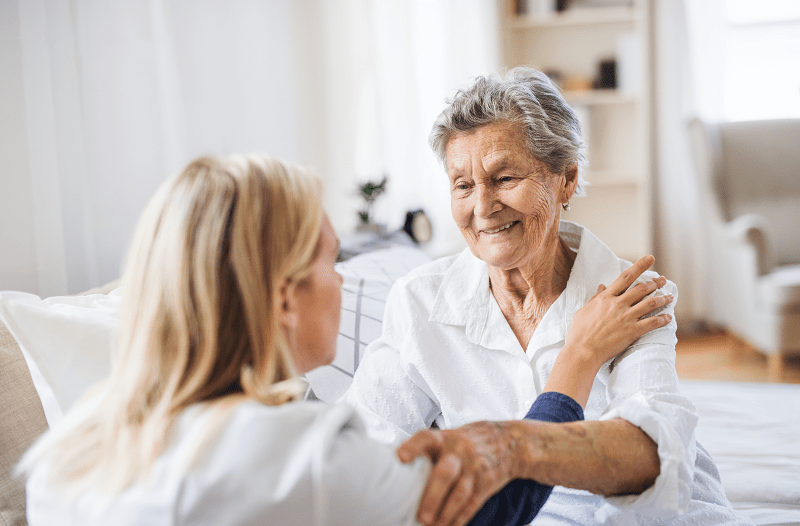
[(505, 202)]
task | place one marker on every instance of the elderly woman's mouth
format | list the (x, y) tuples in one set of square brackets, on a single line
[(500, 229)]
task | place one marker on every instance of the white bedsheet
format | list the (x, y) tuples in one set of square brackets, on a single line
[(752, 431)]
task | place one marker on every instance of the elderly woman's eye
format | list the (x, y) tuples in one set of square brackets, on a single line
[(506, 179)]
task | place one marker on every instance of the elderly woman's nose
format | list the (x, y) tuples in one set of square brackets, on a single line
[(485, 201)]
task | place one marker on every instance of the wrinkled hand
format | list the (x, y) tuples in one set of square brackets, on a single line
[(471, 464), (614, 318)]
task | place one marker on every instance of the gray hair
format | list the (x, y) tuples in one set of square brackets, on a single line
[(524, 96)]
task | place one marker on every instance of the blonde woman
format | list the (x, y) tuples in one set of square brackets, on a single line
[(230, 293)]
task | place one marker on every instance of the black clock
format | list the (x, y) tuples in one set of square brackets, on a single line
[(418, 226)]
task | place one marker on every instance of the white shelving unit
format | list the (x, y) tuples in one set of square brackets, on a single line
[(616, 122)]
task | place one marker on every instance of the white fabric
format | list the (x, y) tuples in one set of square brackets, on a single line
[(752, 430), (67, 342), (447, 354), (680, 237), (103, 100), (780, 289), (300, 463)]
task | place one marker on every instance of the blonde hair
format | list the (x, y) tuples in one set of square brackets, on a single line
[(200, 315)]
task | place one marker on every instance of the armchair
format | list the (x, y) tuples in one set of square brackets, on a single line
[(749, 175)]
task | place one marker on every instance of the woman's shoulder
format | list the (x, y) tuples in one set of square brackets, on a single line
[(266, 455), (668, 288), (300, 460)]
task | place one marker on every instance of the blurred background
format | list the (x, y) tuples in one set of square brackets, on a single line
[(100, 100)]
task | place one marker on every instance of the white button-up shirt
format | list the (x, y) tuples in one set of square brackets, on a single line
[(447, 354)]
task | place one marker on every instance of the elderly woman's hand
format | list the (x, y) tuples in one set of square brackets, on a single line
[(611, 321), (471, 463)]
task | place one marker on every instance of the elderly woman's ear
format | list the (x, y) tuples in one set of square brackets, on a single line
[(570, 182)]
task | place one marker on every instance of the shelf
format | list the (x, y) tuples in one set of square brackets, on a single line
[(598, 97), (618, 207), (578, 17)]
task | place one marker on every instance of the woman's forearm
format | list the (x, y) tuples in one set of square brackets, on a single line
[(611, 457), (573, 374)]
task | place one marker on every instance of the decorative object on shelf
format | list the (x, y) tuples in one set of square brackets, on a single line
[(606, 74), (370, 191), (578, 4), (418, 226)]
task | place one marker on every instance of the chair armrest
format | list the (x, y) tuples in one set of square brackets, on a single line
[(753, 230)]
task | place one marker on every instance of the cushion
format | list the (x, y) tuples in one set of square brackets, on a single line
[(367, 280), (22, 420), (66, 340), (780, 289)]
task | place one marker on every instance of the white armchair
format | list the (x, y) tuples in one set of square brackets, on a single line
[(750, 191)]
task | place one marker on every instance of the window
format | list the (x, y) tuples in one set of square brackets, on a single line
[(762, 59)]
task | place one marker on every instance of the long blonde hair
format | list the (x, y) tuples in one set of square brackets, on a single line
[(200, 314)]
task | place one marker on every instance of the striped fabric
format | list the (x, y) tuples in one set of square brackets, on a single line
[(367, 280)]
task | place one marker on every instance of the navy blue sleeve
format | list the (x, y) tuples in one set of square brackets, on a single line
[(521, 499)]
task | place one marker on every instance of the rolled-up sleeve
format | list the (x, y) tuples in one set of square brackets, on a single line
[(643, 389)]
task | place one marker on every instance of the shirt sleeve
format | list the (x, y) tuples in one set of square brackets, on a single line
[(643, 389), (520, 500), (365, 484)]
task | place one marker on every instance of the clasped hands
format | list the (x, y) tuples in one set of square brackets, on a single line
[(475, 461)]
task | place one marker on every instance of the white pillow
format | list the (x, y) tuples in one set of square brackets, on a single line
[(67, 342), (367, 280)]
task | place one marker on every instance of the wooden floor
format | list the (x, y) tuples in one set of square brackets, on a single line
[(719, 356)]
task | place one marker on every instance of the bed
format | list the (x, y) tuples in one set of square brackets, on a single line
[(52, 349)]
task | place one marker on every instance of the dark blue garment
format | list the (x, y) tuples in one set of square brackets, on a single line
[(521, 499)]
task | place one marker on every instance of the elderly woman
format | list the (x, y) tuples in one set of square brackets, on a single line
[(475, 336)]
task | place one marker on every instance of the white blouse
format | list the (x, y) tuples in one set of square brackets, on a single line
[(447, 354), (299, 463)]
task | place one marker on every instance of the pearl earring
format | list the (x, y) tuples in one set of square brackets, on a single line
[(565, 206)]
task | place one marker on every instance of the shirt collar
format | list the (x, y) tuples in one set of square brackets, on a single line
[(464, 298)]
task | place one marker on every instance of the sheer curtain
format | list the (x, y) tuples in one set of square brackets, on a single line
[(101, 99), (679, 232)]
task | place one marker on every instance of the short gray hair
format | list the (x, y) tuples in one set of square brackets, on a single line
[(526, 97)]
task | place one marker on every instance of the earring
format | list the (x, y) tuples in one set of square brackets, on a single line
[(565, 206)]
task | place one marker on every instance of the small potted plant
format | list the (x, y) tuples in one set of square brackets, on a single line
[(370, 191)]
